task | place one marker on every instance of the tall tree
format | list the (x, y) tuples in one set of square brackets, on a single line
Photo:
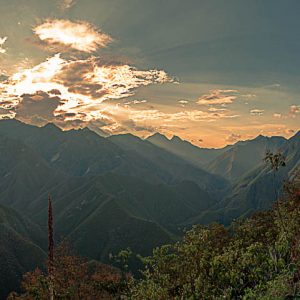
[(50, 248)]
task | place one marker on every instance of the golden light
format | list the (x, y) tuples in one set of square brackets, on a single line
[(80, 36)]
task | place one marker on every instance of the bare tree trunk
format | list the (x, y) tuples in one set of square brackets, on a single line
[(50, 248)]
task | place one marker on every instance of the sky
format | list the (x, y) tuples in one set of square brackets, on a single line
[(212, 72)]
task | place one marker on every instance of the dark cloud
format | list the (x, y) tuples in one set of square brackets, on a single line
[(74, 77), (39, 104), (54, 92)]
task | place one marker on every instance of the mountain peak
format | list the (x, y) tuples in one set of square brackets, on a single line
[(176, 138), (51, 126), (260, 137), (128, 136), (158, 136), (295, 136)]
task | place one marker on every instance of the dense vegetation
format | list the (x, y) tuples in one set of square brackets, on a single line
[(123, 191), (255, 258), (73, 278)]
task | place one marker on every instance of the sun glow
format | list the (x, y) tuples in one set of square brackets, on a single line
[(80, 36), (81, 95)]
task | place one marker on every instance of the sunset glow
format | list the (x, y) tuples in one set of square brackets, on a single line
[(80, 36), (75, 70)]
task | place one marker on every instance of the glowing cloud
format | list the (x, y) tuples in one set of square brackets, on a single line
[(81, 85), (294, 109), (233, 137), (218, 97), (65, 4), (256, 112), (2, 41), (186, 115), (277, 115), (135, 102), (65, 34)]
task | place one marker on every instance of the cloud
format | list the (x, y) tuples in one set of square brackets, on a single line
[(82, 85), (4, 114), (249, 96), (135, 102), (186, 115), (183, 103), (218, 97), (294, 109), (64, 5), (290, 131), (277, 115), (64, 35), (2, 41), (274, 85), (130, 125), (214, 109), (256, 112), (39, 104), (233, 137)]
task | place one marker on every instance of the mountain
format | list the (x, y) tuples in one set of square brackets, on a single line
[(107, 208), (257, 189), (23, 174), (99, 206), (20, 249), (122, 191), (184, 149), (83, 152), (244, 156), (169, 165)]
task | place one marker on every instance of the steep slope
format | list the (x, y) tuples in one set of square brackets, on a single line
[(83, 152), (257, 190), (107, 213), (119, 230), (166, 205), (20, 249), (23, 174), (244, 156), (77, 152), (169, 165), (191, 153), (110, 202)]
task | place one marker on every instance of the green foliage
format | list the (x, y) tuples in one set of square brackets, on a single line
[(73, 278), (257, 258)]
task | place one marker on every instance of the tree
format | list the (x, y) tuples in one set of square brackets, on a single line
[(255, 258), (50, 248), (71, 277)]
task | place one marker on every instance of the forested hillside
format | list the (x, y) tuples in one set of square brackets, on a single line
[(254, 258), (124, 192)]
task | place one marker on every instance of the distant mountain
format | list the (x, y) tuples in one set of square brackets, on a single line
[(169, 165), (23, 174), (122, 191), (83, 152), (184, 149), (107, 195), (244, 156), (20, 249), (257, 189), (107, 213)]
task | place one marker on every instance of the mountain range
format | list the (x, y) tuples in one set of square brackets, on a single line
[(110, 193), (19, 250)]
